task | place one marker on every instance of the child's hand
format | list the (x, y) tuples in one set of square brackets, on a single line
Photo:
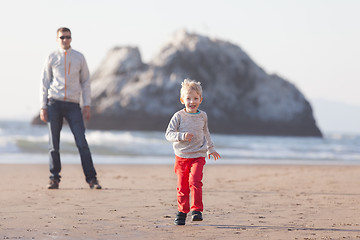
[(188, 136), (215, 155)]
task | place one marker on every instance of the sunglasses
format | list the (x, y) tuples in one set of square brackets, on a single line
[(65, 37)]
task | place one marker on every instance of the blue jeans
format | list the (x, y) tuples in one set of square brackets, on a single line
[(57, 111)]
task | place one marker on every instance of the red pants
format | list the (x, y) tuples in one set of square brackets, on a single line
[(190, 173)]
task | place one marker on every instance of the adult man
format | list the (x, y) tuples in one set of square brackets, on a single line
[(64, 80)]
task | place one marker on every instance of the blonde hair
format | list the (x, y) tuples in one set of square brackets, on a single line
[(188, 85)]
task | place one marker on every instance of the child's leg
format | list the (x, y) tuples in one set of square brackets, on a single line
[(182, 170), (196, 175)]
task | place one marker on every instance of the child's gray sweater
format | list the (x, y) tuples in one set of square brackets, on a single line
[(197, 124)]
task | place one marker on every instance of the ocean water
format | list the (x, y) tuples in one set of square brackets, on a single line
[(20, 142)]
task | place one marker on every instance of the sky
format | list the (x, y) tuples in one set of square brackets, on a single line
[(314, 44)]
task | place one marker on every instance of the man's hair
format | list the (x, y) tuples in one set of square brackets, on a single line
[(188, 85), (63, 29)]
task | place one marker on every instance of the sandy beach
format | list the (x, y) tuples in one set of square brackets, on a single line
[(139, 202)]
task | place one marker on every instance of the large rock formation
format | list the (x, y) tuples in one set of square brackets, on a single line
[(239, 96)]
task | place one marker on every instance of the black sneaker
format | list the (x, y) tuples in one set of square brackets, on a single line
[(53, 184), (196, 216), (94, 184), (180, 218)]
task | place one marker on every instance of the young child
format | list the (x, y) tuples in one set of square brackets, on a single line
[(188, 130)]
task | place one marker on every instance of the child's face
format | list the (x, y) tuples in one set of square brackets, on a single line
[(191, 100)]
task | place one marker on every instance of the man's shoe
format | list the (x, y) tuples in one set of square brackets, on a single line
[(94, 184), (54, 184), (180, 218), (196, 216)]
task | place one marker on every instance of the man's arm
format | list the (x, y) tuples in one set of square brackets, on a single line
[(44, 115), (44, 87), (85, 83), (87, 113)]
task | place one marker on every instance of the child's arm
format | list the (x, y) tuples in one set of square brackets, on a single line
[(172, 133), (215, 155), (210, 145), (188, 136)]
